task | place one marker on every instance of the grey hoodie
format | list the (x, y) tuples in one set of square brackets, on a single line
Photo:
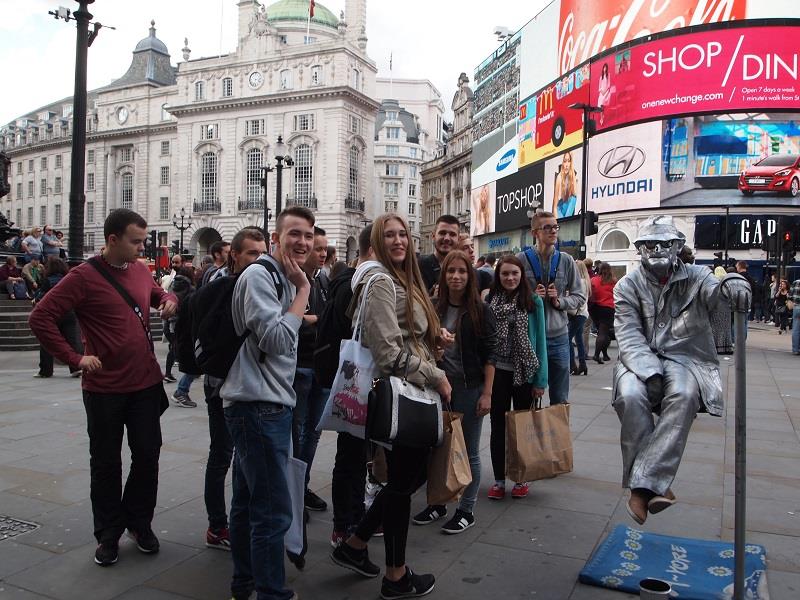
[(256, 307)]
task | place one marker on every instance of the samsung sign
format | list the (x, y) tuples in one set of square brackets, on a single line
[(505, 160)]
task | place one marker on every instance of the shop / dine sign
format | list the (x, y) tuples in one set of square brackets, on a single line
[(719, 70)]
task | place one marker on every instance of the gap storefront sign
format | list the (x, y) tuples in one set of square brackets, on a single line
[(745, 232)]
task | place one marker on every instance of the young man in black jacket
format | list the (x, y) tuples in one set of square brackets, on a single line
[(445, 239)]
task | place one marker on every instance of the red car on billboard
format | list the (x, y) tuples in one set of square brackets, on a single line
[(776, 173)]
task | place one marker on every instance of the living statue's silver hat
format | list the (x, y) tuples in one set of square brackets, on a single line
[(660, 228)]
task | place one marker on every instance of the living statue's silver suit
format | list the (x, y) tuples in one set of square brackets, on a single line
[(667, 366)]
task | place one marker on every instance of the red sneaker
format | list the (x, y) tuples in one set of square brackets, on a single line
[(337, 537), (520, 490), (497, 492), (219, 539)]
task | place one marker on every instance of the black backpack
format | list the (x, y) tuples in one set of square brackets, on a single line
[(332, 328), (206, 340)]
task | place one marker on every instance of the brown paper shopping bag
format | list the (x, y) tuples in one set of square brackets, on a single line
[(538, 443), (448, 466)]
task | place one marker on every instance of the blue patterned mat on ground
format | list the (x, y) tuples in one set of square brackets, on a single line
[(696, 569)]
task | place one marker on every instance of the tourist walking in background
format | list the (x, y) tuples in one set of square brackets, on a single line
[(794, 298), (781, 309), (602, 310), (577, 321), (468, 360), (521, 367), (400, 327), (32, 245)]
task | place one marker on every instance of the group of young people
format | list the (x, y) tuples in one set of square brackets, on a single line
[(486, 342)]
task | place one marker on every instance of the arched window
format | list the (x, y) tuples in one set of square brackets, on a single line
[(616, 240), (303, 175), (355, 162), (165, 116), (208, 179), (254, 193), (127, 191)]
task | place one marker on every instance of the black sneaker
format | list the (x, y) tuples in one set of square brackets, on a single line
[(106, 554), (314, 502), (169, 379), (355, 560), (184, 400), (409, 585), (429, 515), (146, 540), (461, 521)]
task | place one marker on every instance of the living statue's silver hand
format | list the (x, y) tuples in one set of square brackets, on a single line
[(738, 293)]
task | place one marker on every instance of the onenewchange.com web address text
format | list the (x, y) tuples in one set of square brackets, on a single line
[(678, 99)]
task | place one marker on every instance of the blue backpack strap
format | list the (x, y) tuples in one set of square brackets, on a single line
[(533, 261), (554, 260)]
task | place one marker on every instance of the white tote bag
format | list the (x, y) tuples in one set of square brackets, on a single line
[(346, 408), (296, 480)]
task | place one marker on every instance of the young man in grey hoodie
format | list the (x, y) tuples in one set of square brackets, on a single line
[(258, 400), (559, 286)]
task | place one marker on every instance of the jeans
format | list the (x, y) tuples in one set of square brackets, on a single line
[(576, 326), (407, 470), (261, 510), (466, 401), (220, 453), (107, 417), (558, 368), (503, 392), (68, 326), (347, 485), (796, 329), (311, 398), (184, 384)]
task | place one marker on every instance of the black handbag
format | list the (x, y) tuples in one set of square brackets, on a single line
[(400, 412)]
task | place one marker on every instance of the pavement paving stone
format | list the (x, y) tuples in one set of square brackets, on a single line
[(768, 516), (62, 529), (783, 551), (16, 593)]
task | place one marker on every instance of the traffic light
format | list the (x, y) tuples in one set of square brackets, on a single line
[(176, 247), (770, 246), (590, 224), (787, 247)]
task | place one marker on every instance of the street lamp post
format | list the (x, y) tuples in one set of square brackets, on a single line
[(282, 161), (182, 227), (264, 170), (587, 131)]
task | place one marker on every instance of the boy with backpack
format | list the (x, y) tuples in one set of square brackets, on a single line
[(268, 305)]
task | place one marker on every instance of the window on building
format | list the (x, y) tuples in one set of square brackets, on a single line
[(90, 212), (392, 169), (303, 175), (392, 150), (412, 152), (316, 75), (43, 186), (43, 163), (355, 125), (90, 157), (412, 208), (30, 189), (30, 166), (57, 185), (355, 79), (393, 133), (126, 155), (19, 217), (19, 191), (254, 127), (255, 160), (66, 111), (19, 168), (412, 171), (208, 177), (227, 87), (309, 39), (58, 161), (90, 182), (165, 148), (615, 240), (391, 115), (390, 206), (286, 79), (304, 122), (412, 190), (355, 167), (209, 132), (200, 90), (30, 216), (88, 242), (163, 208), (164, 176), (43, 215), (391, 188), (165, 116), (127, 191)]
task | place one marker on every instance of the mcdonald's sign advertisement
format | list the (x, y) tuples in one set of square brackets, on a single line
[(547, 125)]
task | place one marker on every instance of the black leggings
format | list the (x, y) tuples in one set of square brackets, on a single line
[(407, 470), (170, 362), (603, 316), (503, 392)]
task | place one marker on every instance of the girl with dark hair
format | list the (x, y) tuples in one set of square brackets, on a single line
[(55, 270), (469, 332), (400, 327), (521, 360), (601, 309)]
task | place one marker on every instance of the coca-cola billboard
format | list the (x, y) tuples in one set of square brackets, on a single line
[(589, 28), (717, 70)]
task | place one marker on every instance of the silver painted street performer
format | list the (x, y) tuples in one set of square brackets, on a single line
[(667, 369)]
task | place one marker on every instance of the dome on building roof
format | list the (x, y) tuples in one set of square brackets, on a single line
[(297, 10), (151, 42)]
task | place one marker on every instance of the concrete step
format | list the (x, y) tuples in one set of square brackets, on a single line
[(16, 306), (6, 333), (13, 320), (20, 348)]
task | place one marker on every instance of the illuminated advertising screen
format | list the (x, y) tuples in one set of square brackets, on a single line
[(562, 183), (718, 70), (547, 124), (482, 205), (517, 195)]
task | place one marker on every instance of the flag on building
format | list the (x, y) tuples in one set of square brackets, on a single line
[(311, 9)]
